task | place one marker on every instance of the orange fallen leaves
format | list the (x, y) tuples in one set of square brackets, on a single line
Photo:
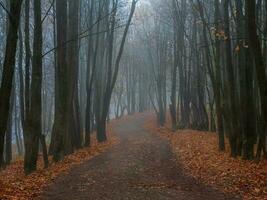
[(14, 185), (198, 153)]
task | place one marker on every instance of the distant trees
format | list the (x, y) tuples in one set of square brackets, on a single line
[(207, 59), (221, 73), (133, 86), (50, 76), (108, 68), (155, 40), (102, 75)]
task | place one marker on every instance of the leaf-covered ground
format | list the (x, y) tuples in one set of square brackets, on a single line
[(141, 167), (198, 153), (15, 185)]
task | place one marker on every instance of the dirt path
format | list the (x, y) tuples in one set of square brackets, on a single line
[(140, 167)]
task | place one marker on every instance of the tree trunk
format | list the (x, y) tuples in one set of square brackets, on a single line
[(173, 110), (217, 84), (91, 65), (256, 52), (44, 150), (8, 149), (8, 70), (73, 66), (62, 137), (231, 86), (34, 120)]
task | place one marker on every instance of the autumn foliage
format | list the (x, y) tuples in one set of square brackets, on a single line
[(198, 153), (15, 185)]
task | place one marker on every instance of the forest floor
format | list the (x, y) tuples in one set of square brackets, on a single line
[(141, 166), (198, 154), (14, 185)]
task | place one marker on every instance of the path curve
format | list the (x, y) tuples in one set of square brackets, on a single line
[(140, 167)]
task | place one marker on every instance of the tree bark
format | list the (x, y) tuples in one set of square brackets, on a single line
[(34, 120), (62, 138), (256, 52), (8, 70)]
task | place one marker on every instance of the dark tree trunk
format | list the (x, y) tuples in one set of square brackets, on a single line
[(8, 70), (231, 86), (27, 58), (34, 120), (217, 84), (247, 108), (62, 137), (256, 52), (90, 77), (53, 134), (173, 104), (101, 131), (44, 150), (8, 149), (73, 66)]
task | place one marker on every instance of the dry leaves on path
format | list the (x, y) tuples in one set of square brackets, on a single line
[(198, 153), (15, 185)]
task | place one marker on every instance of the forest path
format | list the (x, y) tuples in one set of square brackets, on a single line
[(141, 166)]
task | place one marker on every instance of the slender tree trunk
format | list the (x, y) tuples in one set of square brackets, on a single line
[(56, 99), (173, 110), (101, 131), (231, 86), (89, 78), (27, 58), (218, 78), (8, 149)]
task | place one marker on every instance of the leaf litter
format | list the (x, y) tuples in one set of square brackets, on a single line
[(198, 153), (14, 185)]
